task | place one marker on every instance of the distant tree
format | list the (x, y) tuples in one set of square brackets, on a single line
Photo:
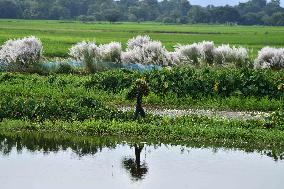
[(169, 11), (184, 20), (132, 18), (112, 15), (85, 18), (58, 12), (10, 9), (198, 14), (278, 19), (225, 14), (272, 7), (139, 12), (252, 19), (168, 20)]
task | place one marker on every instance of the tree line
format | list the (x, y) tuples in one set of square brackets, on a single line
[(253, 12)]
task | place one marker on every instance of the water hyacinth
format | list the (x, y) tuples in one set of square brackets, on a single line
[(21, 54), (269, 57)]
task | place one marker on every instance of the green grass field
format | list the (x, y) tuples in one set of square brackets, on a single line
[(58, 36)]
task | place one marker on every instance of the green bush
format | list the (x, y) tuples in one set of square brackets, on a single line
[(114, 80), (43, 108), (184, 82)]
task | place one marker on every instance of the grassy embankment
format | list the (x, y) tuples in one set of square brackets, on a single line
[(67, 104)]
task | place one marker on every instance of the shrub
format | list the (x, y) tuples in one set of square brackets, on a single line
[(114, 80), (138, 41), (225, 54), (143, 50), (196, 52), (270, 58), (65, 68), (42, 108), (21, 54), (173, 58), (87, 52), (206, 50), (110, 52), (90, 54), (183, 82), (189, 54)]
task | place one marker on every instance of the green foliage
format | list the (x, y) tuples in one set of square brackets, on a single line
[(179, 130), (113, 80), (276, 120), (184, 82), (53, 97), (55, 90), (139, 88), (18, 107), (177, 11), (65, 69)]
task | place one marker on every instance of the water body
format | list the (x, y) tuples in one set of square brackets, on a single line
[(47, 161)]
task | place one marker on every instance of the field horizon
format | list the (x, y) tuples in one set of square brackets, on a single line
[(59, 36)]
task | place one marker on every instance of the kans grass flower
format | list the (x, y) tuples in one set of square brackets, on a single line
[(21, 54), (143, 50), (269, 57)]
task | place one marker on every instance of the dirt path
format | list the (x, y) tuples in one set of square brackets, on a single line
[(201, 112)]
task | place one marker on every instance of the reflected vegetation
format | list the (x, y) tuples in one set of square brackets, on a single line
[(90, 145), (47, 143)]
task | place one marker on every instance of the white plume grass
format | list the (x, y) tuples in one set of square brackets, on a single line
[(270, 58), (21, 54)]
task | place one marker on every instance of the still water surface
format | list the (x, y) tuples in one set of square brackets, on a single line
[(27, 162)]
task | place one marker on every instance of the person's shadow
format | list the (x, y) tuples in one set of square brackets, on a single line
[(136, 169)]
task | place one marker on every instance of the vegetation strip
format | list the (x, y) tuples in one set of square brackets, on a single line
[(179, 129), (89, 144), (58, 41)]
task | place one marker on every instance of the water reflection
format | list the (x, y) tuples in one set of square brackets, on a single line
[(48, 160), (53, 143), (90, 145), (136, 168)]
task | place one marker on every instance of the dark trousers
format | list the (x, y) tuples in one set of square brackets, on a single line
[(139, 111)]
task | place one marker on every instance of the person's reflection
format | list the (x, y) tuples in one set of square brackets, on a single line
[(137, 169)]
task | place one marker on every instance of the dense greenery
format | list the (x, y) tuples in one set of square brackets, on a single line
[(204, 82), (183, 130), (34, 100), (77, 104), (80, 97), (168, 11)]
